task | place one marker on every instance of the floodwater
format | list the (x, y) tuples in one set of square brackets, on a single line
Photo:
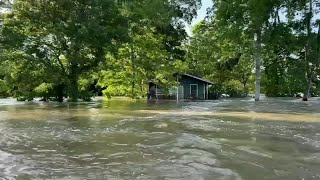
[(227, 139)]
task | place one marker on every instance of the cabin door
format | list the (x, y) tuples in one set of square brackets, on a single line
[(194, 90)]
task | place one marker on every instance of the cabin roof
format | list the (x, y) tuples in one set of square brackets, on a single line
[(188, 75), (200, 79)]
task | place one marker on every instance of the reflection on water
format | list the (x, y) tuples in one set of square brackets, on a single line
[(227, 139)]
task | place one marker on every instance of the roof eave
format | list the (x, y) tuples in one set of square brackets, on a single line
[(201, 79)]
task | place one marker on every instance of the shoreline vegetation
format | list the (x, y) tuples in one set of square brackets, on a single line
[(80, 49), (126, 98)]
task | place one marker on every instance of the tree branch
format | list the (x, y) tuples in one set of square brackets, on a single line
[(61, 64), (99, 55)]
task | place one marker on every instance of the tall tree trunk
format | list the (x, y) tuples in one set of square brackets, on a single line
[(132, 58), (244, 82), (142, 88), (307, 54), (245, 89), (307, 91), (73, 83), (133, 72), (258, 64), (310, 74)]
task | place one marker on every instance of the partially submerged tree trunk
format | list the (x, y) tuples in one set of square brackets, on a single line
[(244, 81), (60, 92), (133, 83), (245, 90), (258, 64), (73, 83), (307, 91), (309, 73), (132, 58)]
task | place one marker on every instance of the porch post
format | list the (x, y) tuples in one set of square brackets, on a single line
[(207, 91), (177, 90), (156, 91), (177, 94), (204, 91)]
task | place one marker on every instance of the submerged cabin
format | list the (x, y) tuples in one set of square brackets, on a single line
[(191, 87)]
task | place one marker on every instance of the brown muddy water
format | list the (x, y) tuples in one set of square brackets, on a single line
[(226, 139)]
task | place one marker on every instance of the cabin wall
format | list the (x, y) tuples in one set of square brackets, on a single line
[(183, 90), (187, 81)]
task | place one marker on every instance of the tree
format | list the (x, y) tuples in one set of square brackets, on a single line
[(68, 36), (213, 54), (303, 20), (154, 47), (243, 73), (284, 69), (252, 19)]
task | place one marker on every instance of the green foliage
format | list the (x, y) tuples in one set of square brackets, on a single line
[(4, 89), (43, 90), (154, 51), (234, 89), (59, 42), (219, 57), (70, 39), (289, 48), (143, 59), (86, 83), (59, 48)]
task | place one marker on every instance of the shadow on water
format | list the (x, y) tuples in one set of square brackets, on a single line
[(225, 139)]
